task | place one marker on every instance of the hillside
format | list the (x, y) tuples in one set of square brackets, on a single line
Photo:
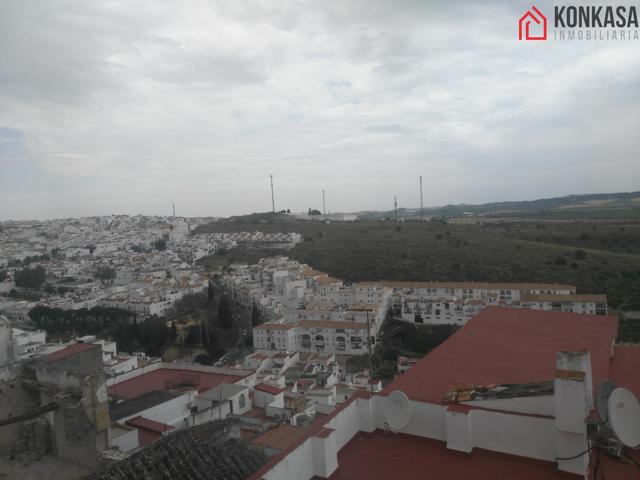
[(590, 206), (496, 252)]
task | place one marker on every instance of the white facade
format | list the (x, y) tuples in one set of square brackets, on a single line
[(26, 343), (457, 303), (348, 338)]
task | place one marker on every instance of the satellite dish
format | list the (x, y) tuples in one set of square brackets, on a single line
[(624, 415), (602, 398), (398, 410)]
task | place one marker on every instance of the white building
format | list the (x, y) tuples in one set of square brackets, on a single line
[(456, 303), (27, 343)]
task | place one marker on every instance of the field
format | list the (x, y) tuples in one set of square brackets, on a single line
[(596, 256)]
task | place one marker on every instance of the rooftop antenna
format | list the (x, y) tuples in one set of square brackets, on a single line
[(395, 207), (421, 205), (273, 203), (324, 209)]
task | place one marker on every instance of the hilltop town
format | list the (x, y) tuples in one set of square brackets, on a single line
[(302, 347)]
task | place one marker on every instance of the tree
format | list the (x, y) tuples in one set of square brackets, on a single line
[(255, 315), (225, 318), (174, 331), (160, 244), (105, 274), (91, 249), (31, 278), (3, 275), (313, 211), (203, 359), (580, 254)]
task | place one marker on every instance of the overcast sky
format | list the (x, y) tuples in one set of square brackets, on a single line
[(127, 106)]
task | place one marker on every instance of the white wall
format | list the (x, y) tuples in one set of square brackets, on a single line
[(532, 437), (174, 412), (126, 441), (318, 455)]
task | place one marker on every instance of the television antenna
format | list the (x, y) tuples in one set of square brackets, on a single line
[(398, 410)]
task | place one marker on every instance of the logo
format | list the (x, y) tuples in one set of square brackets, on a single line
[(524, 24), (571, 22)]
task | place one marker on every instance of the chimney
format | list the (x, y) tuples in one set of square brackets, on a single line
[(573, 401)]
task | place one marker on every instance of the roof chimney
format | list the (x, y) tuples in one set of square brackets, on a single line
[(573, 400)]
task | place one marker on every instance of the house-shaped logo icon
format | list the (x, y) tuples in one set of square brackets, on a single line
[(533, 15)]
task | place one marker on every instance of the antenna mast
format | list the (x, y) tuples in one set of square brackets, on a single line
[(324, 209), (273, 203), (174, 210), (421, 205), (395, 207)]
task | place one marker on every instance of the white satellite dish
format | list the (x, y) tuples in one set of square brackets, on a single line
[(624, 415), (602, 398), (398, 410)]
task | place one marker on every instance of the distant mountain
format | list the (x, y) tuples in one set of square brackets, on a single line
[(598, 205)]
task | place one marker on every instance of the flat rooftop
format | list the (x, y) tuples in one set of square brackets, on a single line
[(69, 351), (180, 380), (381, 456), (509, 345), (143, 402)]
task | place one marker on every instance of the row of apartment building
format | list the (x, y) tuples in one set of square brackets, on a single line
[(457, 303), (309, 311)]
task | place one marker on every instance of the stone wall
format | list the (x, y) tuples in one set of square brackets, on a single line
[(14, 400)]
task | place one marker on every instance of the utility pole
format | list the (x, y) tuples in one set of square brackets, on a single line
[(324, 209), (395, 207), (273, 203), (421, 204), (369, 344), (174, 210), (369, 353)]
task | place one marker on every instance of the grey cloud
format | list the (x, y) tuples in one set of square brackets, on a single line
[(131, 105)]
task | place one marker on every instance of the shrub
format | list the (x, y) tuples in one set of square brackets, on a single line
[(580, 254)]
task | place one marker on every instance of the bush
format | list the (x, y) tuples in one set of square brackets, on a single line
[(580, 254), (31, 278), (203, 359), (560, 261)]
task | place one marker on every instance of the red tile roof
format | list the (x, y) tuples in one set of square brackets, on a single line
[(147, 424), (170, 379), (378, 456), (272, 389), (625, 368), (71, 350), (563, 298), (280, 438), (508, 345)]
